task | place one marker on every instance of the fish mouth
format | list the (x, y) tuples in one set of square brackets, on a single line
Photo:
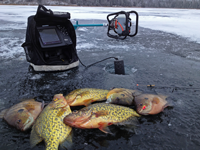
[(72, 123), (70, 101), (28, 123), (109, 99)]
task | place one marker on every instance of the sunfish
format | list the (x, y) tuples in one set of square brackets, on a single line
[(49, 125), (150, 104), (122, 96), (85, 96), (101, 115), (22, 115)]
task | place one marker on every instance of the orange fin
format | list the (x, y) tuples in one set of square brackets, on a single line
[(156, 100), (88, 102), (30, 107), (101, 113), (104, 128)]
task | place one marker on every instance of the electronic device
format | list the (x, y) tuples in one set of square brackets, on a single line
[(52, 36)]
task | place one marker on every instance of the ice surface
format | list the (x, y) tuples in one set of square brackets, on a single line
[(183, 22)]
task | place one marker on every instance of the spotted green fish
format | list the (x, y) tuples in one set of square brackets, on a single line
[(122, 96), (85, 96), (50, 127), (101, 115)]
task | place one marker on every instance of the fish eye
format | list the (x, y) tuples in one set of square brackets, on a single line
[(141, 104), (55, 99), (21, 110), (18, 121), (75, 111)]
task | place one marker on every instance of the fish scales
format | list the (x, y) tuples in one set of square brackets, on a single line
[(102, 115), (50, 127), (85, 96), (116, 113)]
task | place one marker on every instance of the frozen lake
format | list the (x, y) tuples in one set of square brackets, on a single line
[(165, 52)]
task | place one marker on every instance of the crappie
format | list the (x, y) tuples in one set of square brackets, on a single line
[(50, 127), (122, 96), (100, 116), (22, 115), (85, 96), (150, 104)]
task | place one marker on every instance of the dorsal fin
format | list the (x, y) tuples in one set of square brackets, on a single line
[(2, 113), (29, 107)]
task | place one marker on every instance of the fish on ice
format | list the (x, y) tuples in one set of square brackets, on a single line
[(50, 127), (102, 115), (86, 96), (22, 115), (122, 96)]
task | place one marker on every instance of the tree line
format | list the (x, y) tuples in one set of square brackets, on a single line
[(114, 3)]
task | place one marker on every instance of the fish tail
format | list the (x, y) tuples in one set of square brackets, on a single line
[(130, 124), (2, 113), (131, 121), (34, 138), (67, 143)]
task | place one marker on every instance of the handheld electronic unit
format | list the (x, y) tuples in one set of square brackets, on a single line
[(51, 36)]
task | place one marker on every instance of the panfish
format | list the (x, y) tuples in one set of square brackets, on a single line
[(50, 127), (150, 104), (22, 115), (122, 96), (101, 115), (85, 96)]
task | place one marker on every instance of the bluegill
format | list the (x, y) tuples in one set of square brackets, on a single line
[(85, 96), (50, 127), (122, 96), (150, 104), (101, 115), (22, 115)]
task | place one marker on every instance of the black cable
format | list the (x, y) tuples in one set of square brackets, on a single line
[(97, 61)]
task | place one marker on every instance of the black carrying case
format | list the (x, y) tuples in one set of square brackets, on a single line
[(52, 58)]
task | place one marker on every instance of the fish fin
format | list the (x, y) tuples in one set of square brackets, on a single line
[(43, 104), (29, 107), (131, 121), (155, 100), (29, 99), (136, 92), (34, 138), (101, 113), (61, 112), (168, 104), (88, 102), (2, 113), (67, 143), (162, 96), (104, 128)]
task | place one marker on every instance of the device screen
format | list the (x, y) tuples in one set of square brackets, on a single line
[(49, 36)]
